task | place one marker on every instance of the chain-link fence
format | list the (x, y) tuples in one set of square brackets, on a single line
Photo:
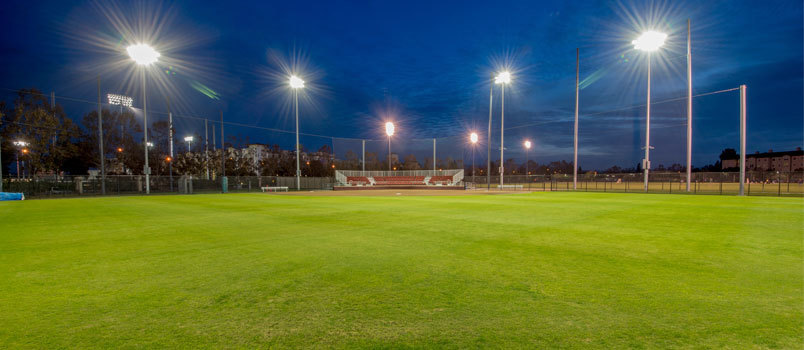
[(76, 186), (724, 183)]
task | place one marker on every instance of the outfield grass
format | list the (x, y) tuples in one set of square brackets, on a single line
[(542, 270)]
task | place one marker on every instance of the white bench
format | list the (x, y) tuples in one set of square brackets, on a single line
[(274, 188), (516, 187)]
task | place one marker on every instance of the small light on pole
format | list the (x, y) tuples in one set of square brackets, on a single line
[(189, 140), (527, 158), (473, 140), (389, 130)]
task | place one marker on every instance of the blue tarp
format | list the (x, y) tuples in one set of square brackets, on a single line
[(11, 196)]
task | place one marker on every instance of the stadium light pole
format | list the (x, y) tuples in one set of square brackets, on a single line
[(144, 56), (689, 106), (502, 79), (189, 140), (473, 139), (297, 83), (389, 130), (649, 42), (527, 159)]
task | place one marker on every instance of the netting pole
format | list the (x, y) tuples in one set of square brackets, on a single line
[(434, 156), (689, 106), (743, 113), (488, 137), (575, 156), (206, 146), (100, 142), (364, 155), (170, 142)]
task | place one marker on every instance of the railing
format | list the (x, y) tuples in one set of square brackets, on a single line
[(380, 173)]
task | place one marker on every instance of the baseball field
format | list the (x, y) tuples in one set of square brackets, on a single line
[(527, 270)]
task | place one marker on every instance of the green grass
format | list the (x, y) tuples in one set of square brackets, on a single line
[(542, 270)]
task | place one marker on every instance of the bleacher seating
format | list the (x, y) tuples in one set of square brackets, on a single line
[(357, 180), (444, 180), (399, 180)]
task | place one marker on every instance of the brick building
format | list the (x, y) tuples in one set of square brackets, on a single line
[(769, 161)]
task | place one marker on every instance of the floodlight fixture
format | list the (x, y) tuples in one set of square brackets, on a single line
[(296, 82), (473, 137), (649, 41), (503, 78), (527, 144), (21, 143), (119, 100), (389, 129), (143, 54)]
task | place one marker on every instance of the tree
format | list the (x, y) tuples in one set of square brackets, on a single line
[(51, 136), (411, 163), (729, 153)]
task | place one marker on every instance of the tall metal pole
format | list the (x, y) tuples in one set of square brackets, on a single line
[(646, 162), (206, 146), (223, 150), (743, 116), (689, 106), (575, 153), (502, 135), (488, 138), (1, 163), (100, 142), (389, 152), (298, 171), (146, 168), (364, 155), (434, 156), (527, 165), (170, 143)]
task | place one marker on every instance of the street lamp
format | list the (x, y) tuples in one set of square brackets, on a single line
[(144, 56), (189, 140), (389, 130), (21, 145), (502, 79), (527, 160), (648, 42), (296, 83), (473, 140)]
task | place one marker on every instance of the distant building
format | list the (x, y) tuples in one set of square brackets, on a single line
[(768, 161)]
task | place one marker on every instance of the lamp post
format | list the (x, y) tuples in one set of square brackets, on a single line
[(189, 140), (527, 160), (649, 42), (296, 83), (488, 140), (21, 149), (144, 56), (389, 130), (473, 139), (502, 79)]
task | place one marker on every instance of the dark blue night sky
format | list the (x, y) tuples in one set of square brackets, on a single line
[(427, 66)]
